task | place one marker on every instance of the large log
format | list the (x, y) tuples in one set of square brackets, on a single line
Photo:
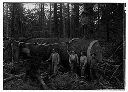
[(88, 46), (78, 45), (45, 51)]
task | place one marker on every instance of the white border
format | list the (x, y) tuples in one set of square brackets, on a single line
[(88, 1), (100, 1)]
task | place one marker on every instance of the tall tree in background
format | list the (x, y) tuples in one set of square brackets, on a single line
[(41, 16), (111, 15), (68, 23), (13, 20), (61, 21), (16, 20), (6, 20), (55, 20), (72, 27), (76, 19), (50, 28), (64, 20), (105, 19), (87, 19)]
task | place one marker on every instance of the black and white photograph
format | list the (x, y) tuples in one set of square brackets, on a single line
[(64, 46)]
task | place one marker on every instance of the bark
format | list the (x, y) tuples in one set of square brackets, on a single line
[(55, 21)]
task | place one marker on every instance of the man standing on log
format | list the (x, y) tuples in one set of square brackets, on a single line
[(83, 62), (73, 60), (55, 60)]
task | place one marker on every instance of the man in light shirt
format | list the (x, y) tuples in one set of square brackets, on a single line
[(73, 60), (93, 67), (83, 62), (55, 60)]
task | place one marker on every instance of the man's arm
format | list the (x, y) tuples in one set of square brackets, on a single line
[(68, 52), (49, 58), (77, 59), (85, 60), (69, 59), (58, 58)]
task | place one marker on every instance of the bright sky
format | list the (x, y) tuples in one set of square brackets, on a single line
[(34, 5), (29, 6)]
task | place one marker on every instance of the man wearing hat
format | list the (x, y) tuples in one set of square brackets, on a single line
[(55, 60)]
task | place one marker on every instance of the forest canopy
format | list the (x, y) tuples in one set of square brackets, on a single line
[(64, 20)]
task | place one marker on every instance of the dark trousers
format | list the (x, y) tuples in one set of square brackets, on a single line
[(83, 68), (73, 66), (54, 68), (93, 73)]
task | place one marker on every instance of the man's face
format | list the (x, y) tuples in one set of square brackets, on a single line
[(81, 53), (93, 55), (73, 52), (53, 51)]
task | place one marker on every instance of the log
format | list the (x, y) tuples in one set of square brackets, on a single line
[(43, 40), (43, 51), (88, 46)]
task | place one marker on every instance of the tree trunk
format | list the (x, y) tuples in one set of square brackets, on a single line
[(61, 21), (12, 21), (64, 25), (107, 28), (55, 21), (76, 19), (41, 17), (16, 20), (7, 21), (68, 20), (50, 20)]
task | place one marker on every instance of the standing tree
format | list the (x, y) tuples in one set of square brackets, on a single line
[(87, 20), (61, 21), (41, 17), (55, 21), (50, 20), (76, 19), (14, 32), (68, 20)]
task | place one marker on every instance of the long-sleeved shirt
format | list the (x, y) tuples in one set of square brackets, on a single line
[(73, 57), (83, 60), (55, 58)]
